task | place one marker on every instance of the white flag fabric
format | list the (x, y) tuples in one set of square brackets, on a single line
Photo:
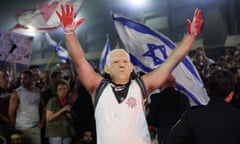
[(43, 17), (61, 52), (149, 48), (103, 58), (15, 48)]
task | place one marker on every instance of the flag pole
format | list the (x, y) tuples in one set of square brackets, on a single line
[(50, 61)]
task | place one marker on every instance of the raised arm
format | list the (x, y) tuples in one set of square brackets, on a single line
[(158, 76), (87, 75), (14, 73)]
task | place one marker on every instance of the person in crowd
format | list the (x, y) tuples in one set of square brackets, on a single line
[(237, 53), (119, 113), (166, 108), (212, 68), (200, 64), (16, 137), (202, 61), (58, 115), (46, 80), (68, 73), (35, 69), (222, 62), (26, 109), (86, 137), (7, 86), (215, 123), (236, 98), (205, 59), (229, 53), (82, 109), (49, 91)]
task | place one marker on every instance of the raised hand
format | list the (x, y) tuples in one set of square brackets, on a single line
[(67, 19), (194, 27)]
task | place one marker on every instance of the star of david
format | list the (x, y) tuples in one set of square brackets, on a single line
[(151, 53)]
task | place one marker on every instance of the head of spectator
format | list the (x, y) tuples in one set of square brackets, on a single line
[(4, 78), (35, 69), (238, 47), (222, 62), (86, 137), (46, 77), (229, 53), (230, 62), (212, 68), (26, 79), (61, 88), (16, 137), (57, 75), (221, 85), (236, 71)]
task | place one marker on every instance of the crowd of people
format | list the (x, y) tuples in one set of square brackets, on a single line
[(39, 104), (40, 107)]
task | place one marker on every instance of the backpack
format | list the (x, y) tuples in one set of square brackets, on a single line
[(105, 82)]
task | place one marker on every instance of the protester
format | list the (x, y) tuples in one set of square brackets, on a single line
[(166, 108), (86, 137), (58, 115), (215, 123), (119, 113), (26, 109)]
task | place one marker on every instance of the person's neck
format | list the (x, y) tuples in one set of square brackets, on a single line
[(120, 81), (29, 88), (62, 98)]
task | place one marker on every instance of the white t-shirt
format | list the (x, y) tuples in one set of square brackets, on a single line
[(28, 111), (121, 123)]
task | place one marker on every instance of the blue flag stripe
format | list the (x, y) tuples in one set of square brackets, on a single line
[(104, 54), (136, 62), (187, 92)]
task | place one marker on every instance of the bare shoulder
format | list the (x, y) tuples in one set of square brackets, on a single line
[(14, 96)]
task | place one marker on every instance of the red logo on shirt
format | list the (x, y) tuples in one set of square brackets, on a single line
[(132, 102)]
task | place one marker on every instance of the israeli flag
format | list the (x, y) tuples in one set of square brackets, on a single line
[(149, 48), (61, 52), (105, 52)]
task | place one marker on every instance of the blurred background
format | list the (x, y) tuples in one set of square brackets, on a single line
[(221, 27)]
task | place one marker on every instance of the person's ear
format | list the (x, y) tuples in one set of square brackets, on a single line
[(106, 68), (131, 67), (229, 97)]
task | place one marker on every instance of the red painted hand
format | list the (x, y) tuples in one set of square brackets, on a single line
[(67, 19), (194, 27)]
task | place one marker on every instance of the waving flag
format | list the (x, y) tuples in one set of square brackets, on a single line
[(149, 48), (104, 54), (61, 52), (42, 18)]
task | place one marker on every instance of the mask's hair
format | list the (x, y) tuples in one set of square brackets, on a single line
[(108, 56), (108, 59)]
